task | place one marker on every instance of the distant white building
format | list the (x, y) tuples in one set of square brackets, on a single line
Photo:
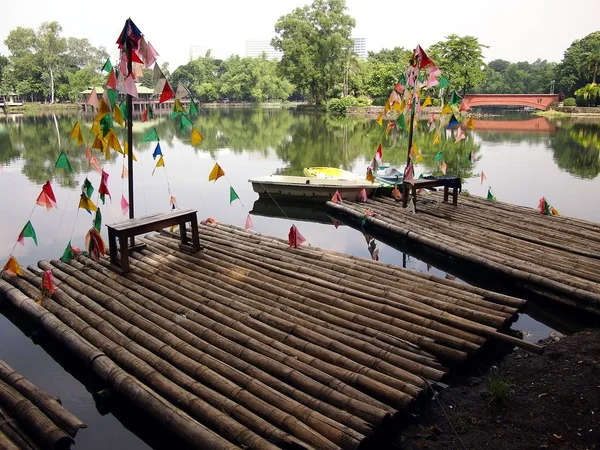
[(254, 49), (199, 51), (360, 47)]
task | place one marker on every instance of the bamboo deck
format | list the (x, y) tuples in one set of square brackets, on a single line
[(249, 343), (553, 256), (31, 419)]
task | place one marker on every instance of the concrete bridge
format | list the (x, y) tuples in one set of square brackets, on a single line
[(537, 101)]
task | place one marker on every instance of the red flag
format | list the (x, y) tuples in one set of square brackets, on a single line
[(111, 83), (337, 197), (295, 239), (362, 195), (167, 93), (409, 173), (103, 189), (336, 223), (46, 197), (379, 154), (47, 283), (424, 59)]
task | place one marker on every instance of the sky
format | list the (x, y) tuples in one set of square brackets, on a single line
[(522, 30)]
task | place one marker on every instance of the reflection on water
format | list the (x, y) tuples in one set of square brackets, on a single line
[(523, 160)]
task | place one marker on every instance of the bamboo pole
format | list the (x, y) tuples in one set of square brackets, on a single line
[(175, 420), (229, 340), (168, 348), (13, 433), (48, 405)]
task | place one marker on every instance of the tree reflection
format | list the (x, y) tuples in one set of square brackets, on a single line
[(576, 148)]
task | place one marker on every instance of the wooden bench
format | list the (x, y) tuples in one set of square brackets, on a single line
[(134, 227), (423, 183)]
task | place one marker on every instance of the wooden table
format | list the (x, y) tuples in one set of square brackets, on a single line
[(134, 227), (423, 183)]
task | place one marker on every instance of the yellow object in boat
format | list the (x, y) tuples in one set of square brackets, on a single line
[(332, 173)]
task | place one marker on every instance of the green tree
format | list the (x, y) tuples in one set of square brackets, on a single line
[(580, 64), (51, 49), (382, 71), (461, 60), (314, 40), (4, 63)]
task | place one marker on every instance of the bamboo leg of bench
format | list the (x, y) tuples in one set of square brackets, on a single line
[(414, 196), (455, 196), (124, 247), (195, 236), (405, 189), (446, 193), (183, 232), (112, 247)]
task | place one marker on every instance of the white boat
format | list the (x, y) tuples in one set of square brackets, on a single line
[(310, 188)]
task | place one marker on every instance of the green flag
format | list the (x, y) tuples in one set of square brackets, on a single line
[(112, 97), (439, 156), (454, 98), (401, 122), (106, 124), (444, 82), (68, 254), (28, 231), (123, 108), (421, 176), (402, 79), (98, 220), (175, 114), (232, 195), (107, 67), (491, 197), (185, 122), (63, 162), (152, 135), (193, 108), (87, 188)]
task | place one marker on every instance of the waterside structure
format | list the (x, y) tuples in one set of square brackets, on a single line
[(556, 258), (252, 344)]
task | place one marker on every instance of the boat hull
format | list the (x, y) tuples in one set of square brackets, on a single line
[(309, 189)]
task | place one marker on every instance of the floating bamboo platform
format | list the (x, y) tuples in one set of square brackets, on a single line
[(552, 256), (250, 343), (31, 419)]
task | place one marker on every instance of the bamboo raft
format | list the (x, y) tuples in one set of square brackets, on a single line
[(250, 343), (29, 418), (552, 256)]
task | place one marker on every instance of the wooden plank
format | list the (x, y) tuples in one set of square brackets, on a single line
[(152, 219)]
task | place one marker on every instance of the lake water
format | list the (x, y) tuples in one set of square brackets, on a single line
[(523, 157)]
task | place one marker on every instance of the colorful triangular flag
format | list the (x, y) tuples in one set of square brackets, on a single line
[(232, 195), (86, 203), (483, 177), (460, 135), (295, 239), (12, 267), (196, 136), (216, 173), (152, 135), (27, 231), (490, 196), (444, 167), (92, 99), (159, 163), (63, 162), (249, 223), (76, 134), (46, 197), (157, 151), (167, 93), (124, 205)]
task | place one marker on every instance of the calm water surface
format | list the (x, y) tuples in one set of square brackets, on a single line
[(523, 158)]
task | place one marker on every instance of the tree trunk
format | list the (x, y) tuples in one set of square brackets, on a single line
[(595, 73), (51, 85)]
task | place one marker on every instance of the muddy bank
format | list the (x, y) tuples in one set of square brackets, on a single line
[(527, 401)]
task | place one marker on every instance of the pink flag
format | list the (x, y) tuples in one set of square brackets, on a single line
[(48, 283), (150, 56), (362, 195), (295, 239), (249, 223), (432, 69), (337, 197), (432, 81), (121, 83), (21, 239), (123, 63), (409, 174), (92, 99), (460, 135), (379, 154), (130, 87), (444, 167), (336, 223), (94, 164), (88, 152), (464, 106), (472, 156), (111, 83), (138, 71), (124, 205), (483, 177), (124, 172), (46, 197)]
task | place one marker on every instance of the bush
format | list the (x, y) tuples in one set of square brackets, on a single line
[(570, 102), (341, 105)]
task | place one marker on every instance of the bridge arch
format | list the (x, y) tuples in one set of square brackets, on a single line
[(537, 101)]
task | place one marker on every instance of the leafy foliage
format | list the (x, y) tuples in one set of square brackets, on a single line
[(570, 101), (580, 64), (316, 46), (589, 95), (503, 77), (341, 105)]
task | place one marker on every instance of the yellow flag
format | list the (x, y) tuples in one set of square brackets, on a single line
[(12, 267), (379, 119), (178, 107), (96, 127), (216, 173), (76, 134), (106, 150), (103, 110), (196, 136), (370, 177), (398, 107), (471, 123), (159, 163), (436, 138), (386, 108), (427, 102), (126, 151), (418, 158), (118, 115), (446, 109), (113, 141), (86, 203), (98, 143)]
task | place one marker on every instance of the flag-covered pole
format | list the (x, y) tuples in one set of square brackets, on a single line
[(130, 137), (410, 132)]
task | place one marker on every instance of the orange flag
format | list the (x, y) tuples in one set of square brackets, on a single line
[(337, 197), (444, 167), (370, 177), (12, 267), (216, 173)]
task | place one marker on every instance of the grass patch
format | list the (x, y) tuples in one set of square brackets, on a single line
[(499, 389), (551, 113)]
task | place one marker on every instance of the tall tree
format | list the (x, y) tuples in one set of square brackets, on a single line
[(580, 64), (461, 60), (315, 40), (51, 48)]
